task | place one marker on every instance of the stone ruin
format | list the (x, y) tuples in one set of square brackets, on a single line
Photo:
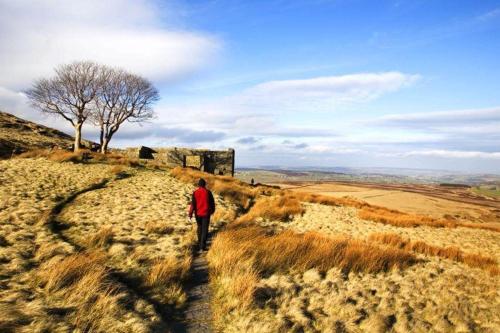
[(218, 162)]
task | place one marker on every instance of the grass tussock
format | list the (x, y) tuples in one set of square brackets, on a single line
[(103, 238), (289, 250), (224, 215), (82, 282), (118, 170), (72, 269), (159, 227), (329, 200), (115, 159), (453, 253), (400, 219), (165, 279), (57, 155), (278, 208), (167, 271), (483, 226)]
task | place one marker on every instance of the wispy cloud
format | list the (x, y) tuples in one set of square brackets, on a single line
[(258, 110), (454, 154), (447, 118), (325, 92), (490, 15)]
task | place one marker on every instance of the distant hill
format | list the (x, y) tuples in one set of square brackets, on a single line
[(373, 175), (18, 135)]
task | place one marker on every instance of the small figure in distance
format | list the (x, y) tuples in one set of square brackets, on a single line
[(252, 182), (203, 206)]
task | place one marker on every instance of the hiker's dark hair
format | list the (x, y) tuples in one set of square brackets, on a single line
[(202, 182)]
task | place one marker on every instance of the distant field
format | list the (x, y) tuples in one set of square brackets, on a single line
[(487, 192), (408, 202)]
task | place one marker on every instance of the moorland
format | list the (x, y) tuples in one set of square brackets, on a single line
[(101, 243)]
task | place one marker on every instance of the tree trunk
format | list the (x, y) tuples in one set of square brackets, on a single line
[(101, 138), (107, 139), (104, 145), (78, 136)]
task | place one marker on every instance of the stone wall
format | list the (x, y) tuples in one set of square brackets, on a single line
[(219, 162)]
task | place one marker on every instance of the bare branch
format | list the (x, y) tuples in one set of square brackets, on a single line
[(69, 94), (122, 96)]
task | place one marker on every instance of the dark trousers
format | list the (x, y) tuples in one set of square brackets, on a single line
[(202, 222)]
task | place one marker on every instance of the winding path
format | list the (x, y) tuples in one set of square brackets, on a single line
[(197, 314)]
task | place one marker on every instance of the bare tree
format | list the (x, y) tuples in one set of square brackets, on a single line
[(122, 96), (71, 94)]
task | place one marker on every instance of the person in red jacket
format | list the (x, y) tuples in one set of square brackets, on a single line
[(202, 205)]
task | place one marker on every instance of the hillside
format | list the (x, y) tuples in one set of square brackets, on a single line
[(92, 246), (18, 135)]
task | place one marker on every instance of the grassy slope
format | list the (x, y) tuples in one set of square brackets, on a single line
[(112, 258), (20, 135)]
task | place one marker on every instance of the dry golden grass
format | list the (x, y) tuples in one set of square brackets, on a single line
[(124, 229), (295, 278), (400, 219), (259, 253), (289, 250), (84, 155), (279, 207), (103, 238), (260, 201), (165, 279), (82, 280), (334, 220), (167, 271), (329, 200), (224, 215), (159, 227), (454, 253), (72, 269), (118, 169), (56, 155), (279, 282), (12, 318), (116, 159)]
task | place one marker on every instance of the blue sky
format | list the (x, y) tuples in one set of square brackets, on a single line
[(292, 83)]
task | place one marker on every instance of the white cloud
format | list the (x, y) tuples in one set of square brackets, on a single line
[(454, 154), (467, 116), (324, 92), (36, 36), (258, 110)]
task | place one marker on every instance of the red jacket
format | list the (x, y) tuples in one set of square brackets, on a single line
[(202, 203)]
